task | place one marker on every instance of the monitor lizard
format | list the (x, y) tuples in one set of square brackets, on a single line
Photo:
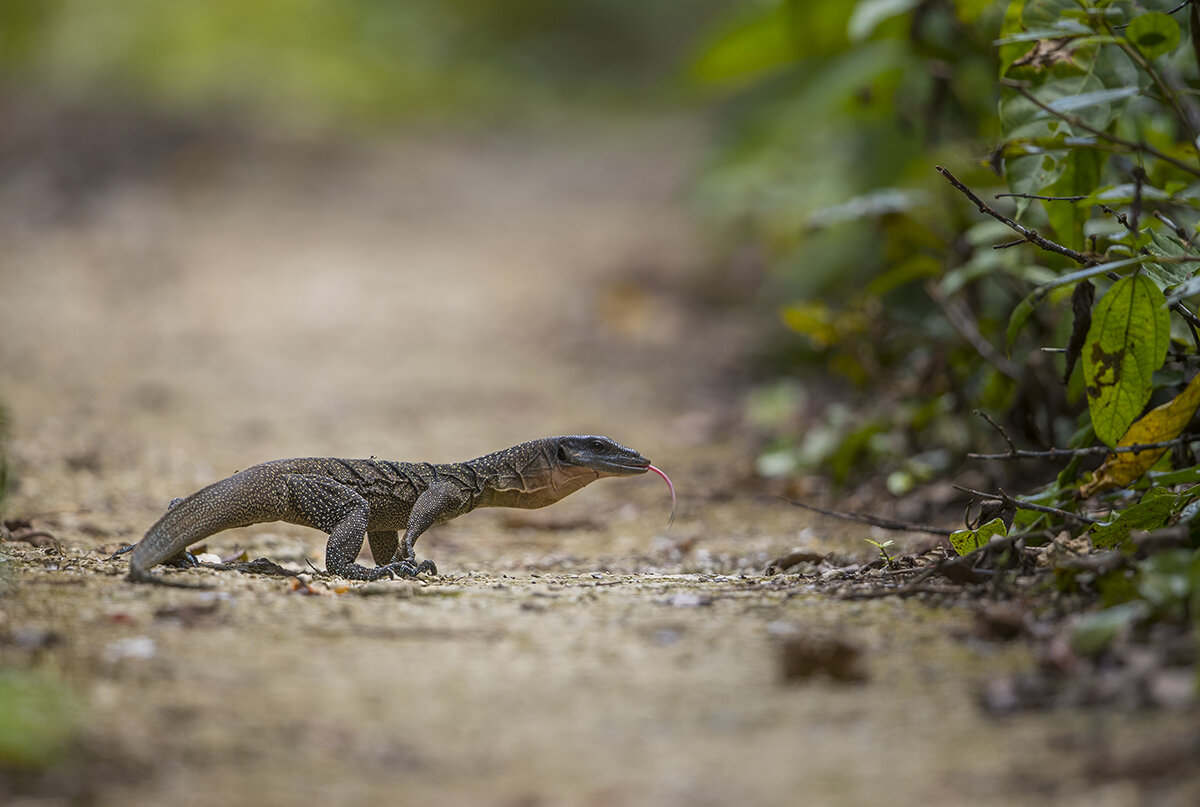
[(353, 499)]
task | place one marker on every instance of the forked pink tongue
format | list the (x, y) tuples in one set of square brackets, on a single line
[(667, 479)]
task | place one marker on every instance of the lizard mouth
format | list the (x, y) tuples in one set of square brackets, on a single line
[(628, 467)]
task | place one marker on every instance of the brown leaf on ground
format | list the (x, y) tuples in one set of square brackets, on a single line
[(806, 655)]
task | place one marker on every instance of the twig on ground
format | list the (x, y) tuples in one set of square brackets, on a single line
[(874, 521), (1021, 504)]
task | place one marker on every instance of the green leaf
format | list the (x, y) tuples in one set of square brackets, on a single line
[(1125, 345), (868, 14), (967, 541), (1020, 315), (1152, 512), (1072, 103), (749, 50), (1166, 275), (1154, 34), (1094, 632), (1183, 290)]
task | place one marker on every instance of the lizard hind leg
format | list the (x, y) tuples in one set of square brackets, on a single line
[(384, 544), (327, 505)]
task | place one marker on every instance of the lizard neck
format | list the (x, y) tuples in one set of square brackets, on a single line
[(528, 476)]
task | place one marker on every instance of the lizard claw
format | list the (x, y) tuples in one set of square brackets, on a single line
[(403, 568)]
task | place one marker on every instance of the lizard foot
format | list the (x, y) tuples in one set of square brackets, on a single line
[(404, 568), (183, 560)]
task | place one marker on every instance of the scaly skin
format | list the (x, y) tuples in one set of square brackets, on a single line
[(375, 499)]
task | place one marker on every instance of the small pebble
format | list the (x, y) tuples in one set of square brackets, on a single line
[(137, 647)]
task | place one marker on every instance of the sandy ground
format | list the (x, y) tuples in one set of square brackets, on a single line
[(438, 299)]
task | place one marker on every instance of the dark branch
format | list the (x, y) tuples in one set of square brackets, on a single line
[(1026, 233), (1011, 446), (1043, 198), (1021, 504), (1022, 454), (874, 521)]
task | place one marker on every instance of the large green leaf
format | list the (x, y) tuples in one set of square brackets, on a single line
[(1166, 275), (1125, 345), (1154, 34), (1152, 512)]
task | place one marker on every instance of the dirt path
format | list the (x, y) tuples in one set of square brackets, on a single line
[(437, 301)]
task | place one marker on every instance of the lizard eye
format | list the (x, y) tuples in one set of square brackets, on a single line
[(597, 445)]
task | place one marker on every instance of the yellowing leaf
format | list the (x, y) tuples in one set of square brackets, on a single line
[(967, 541), (1125, 344), (1160, 424)]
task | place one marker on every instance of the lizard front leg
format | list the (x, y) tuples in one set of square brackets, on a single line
[(327, 505), (433, 505)]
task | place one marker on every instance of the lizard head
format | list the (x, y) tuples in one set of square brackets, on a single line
[(599, 454)]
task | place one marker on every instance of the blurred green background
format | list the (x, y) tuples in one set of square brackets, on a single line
[(353, 62), (815, 193)]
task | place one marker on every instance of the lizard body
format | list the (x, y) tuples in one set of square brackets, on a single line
[(353, 499)]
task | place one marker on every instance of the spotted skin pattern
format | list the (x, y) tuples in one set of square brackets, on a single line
[(377, 500)]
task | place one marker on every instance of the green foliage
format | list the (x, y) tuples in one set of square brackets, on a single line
[(3, 455), (909, 289), (882, 548), (39, 717), (967, 541), (1124, 346), (351, 62), (1154, 510), (824, 169)]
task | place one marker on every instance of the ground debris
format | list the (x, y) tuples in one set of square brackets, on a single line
[(805, 654), (793, 558), (1130, 672), (192, 614), (21, 530)]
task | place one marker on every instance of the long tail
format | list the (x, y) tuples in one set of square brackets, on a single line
[(248, 497)]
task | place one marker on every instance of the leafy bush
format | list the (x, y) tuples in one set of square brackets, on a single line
[(832, 117), (1064, 305)]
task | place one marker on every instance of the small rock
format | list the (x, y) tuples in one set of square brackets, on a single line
[(688, 599), (135, 647)]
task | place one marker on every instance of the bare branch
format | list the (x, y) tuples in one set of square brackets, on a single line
[(1011, 446), (1043, 198), (1021, 504), (1028, 234), (1177, 229), (1050, 453)]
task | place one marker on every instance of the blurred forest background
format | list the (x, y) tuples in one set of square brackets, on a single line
[(892, 308), (823, 121), (816, 189)]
